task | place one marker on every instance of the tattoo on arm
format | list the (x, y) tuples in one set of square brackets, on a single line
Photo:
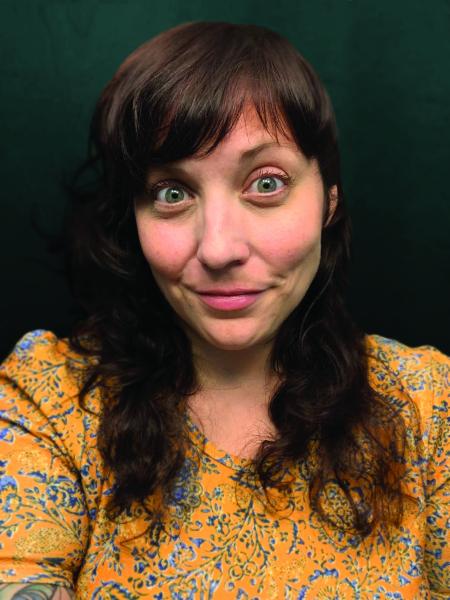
[(34, 591)]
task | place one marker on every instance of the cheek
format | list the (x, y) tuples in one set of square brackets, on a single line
[(165, 251), (294, 241)]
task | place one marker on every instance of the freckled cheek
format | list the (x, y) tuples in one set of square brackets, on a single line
[(166, 252)]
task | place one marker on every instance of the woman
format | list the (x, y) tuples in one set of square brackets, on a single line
[(217, 426)]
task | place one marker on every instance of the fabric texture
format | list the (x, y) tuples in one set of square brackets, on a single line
[(220, 541)]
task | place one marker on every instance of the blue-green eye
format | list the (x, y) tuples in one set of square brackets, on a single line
[(269, 183), (172, 194)]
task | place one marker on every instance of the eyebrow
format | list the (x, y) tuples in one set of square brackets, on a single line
[(252, 152), (244, 157)]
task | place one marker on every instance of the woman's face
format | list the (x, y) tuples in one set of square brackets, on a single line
[(233, 239)]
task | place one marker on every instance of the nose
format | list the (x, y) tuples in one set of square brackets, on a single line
[(222, 239)]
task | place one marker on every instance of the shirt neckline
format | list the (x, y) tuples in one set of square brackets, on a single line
[(207, 447)]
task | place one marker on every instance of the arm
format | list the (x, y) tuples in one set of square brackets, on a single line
[(437, 552), (38, 591), (44, 523)]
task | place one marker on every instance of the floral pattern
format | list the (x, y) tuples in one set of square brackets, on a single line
[(220, 540)]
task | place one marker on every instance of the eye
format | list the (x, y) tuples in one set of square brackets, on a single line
[(173, 193), (268, 183)]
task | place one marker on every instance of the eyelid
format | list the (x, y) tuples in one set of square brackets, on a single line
[(268, 172), (153, 189)]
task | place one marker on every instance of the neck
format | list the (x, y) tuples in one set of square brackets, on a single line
[(233, 370)]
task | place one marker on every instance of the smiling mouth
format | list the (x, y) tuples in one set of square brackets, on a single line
[(228, 302)]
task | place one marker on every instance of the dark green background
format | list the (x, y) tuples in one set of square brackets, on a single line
[(386, 65)]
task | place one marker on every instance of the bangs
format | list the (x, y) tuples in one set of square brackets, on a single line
[(197, 128), (182, 92)]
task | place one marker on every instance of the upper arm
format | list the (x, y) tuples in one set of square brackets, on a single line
[(43, 513), (437, 551)]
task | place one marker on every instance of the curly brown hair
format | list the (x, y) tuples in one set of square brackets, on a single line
[(176, 96)]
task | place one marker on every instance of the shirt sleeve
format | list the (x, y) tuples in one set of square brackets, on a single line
[(43, 512), (437, 549)]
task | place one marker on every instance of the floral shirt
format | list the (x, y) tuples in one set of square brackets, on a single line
[(220, 540)]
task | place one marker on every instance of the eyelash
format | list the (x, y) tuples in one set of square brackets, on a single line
[(155, 188)]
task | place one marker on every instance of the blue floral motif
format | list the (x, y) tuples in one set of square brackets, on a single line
[(114, 591), (219, 540)]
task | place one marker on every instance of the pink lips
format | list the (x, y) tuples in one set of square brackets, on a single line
[(230, 300)]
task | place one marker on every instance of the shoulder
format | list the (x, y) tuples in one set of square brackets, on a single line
[(39, 386), (420, 372), (418, 380), (50, 474), (415, 378), (45, 368)]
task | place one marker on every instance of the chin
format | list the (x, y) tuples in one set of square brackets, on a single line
[(234, 342), (231, 346), (229, 337)]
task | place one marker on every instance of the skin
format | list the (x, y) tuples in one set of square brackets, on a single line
[(223, 228), (227, 230), (34, 591)]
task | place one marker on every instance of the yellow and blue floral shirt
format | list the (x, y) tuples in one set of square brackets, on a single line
[(223, 543)]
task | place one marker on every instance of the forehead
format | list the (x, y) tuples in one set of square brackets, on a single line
[(248, 139), (249, 130)]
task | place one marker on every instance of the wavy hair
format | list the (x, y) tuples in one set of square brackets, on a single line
[(176, 96)]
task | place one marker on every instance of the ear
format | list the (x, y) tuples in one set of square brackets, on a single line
[(333, 202)]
